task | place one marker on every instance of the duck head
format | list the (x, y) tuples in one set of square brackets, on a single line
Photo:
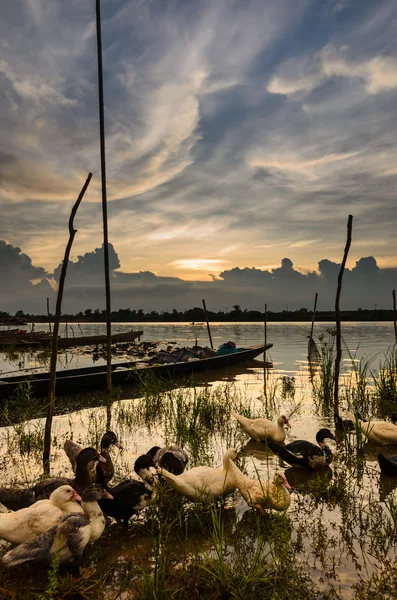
[(95, 492), (63, 495), (322, 435), (393, 418), (230, 454), (280, 479), (283, 421), (153, 451), (142, 467), (88, 455), (108, 439)]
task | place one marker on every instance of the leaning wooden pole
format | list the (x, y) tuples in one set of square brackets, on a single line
[(54, 346), (104, 200), (394, 314), (338, 357), (208, 325)]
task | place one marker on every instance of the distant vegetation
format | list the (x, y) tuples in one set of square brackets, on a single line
[(196, 315)]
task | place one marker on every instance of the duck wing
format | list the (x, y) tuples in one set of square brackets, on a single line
[(72, 450), (44, 489), (286, 455), (388, 466), (304, 449), (34, 551)]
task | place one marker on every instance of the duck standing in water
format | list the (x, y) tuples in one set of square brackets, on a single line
[(202, 484), (15, 499), (26, 523), (109, 438), (305, 454), (260, 493), (383, 433), (264, 429), (66, 540)]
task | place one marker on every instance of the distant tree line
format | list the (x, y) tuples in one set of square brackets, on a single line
[(196, 315)]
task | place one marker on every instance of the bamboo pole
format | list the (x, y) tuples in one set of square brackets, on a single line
[(54, 341), (264, 352), (337, 314), (48, 313), (104, 200), (394, 314), (314, 315), (208, 325)]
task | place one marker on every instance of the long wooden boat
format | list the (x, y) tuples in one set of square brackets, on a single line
[(44, 339), (82, 380)]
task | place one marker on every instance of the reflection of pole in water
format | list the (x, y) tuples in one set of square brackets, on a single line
[(264, 352), (313, 354)]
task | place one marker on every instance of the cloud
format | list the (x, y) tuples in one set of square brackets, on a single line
[(364, 285), (377, 74), (234, 130)]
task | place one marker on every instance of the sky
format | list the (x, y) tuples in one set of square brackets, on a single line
[(239, 133)]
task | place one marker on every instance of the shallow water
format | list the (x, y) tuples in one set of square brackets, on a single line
[(245, 386)]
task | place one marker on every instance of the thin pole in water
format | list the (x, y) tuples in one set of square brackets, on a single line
[(338, 357), (394, 314), (104, 200), (208, 325)]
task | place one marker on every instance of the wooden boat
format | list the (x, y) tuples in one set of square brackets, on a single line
[(82, 380), (44, 339), (93, 340)]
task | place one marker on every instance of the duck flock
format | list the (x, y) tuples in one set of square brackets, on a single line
[(58, 517)]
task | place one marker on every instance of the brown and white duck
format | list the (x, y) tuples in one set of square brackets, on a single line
[(15, 499), (72, 450), (68, 538)]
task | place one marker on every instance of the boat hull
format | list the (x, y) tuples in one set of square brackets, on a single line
[(94, 378)]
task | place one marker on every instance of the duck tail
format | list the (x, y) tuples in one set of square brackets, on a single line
[(15, 499)]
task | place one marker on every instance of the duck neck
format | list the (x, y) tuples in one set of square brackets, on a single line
[(92, 509), (234, 472), (83, 477)]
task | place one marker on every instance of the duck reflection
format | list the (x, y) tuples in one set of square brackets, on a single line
[(258, 450), (300, 478)]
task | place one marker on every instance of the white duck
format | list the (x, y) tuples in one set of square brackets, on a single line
[(262, 494), (263, 429), (25, 524), (202, 484), (68, 538), (380, 432)]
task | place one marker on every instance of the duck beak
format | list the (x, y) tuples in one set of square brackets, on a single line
[(118, 445), (107, 495), (287, 485), (101, 458), (288, 424), (76, 496)]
